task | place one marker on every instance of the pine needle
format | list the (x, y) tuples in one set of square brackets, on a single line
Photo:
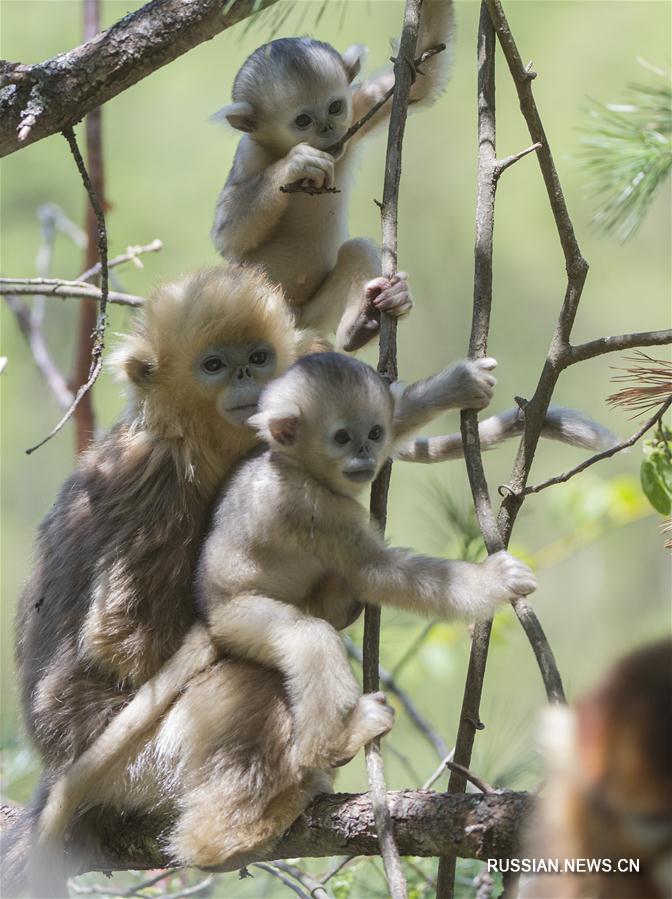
[(653, 385)]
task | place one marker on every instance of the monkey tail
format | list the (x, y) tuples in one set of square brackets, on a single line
[(116, 745), (23, 871), (564, 425)]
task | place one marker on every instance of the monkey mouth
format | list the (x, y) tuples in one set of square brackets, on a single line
[(360, 475), (239, 414)]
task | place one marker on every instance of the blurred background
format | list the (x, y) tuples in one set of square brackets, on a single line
[(595, 542)]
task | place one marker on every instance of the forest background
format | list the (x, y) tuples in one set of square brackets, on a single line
[(595, 542)]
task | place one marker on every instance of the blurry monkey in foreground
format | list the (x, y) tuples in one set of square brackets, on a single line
[(609, 793), (289, 549), (294, 98)]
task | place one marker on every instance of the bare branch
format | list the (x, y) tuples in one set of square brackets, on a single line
[(53, 287), (32, 331), (275, 871), (598, 457), (315, 888), (42, 99), (99, 333), (503, 164), (390, 684), (478, 782), (613, 344), (132, 254)]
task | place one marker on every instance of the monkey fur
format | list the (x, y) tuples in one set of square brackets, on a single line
[(289, 549), (609, 789), (293, 98)]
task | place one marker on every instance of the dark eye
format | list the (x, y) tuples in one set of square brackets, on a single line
[(302, 121), (260, 357), (336, 107), (212, 364), (342, 437), (375, 433)]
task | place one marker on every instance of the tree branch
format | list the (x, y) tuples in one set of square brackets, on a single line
[(404, 73), (613, 344), (606, 454), (55, 287), (51, 96), (427, 824)]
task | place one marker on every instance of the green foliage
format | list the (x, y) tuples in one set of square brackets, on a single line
[(656, 470), (628, 155)]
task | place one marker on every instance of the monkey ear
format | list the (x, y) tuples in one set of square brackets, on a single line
[(280, 427), (139, 371), (241, 116), (353, 58)]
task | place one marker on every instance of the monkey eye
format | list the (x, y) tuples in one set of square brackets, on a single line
[(375, 433), (303, 120), (212, 365), (336, 107), (341, 437), (259, 357)]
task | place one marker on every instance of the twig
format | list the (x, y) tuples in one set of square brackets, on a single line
[(132, 254), (389, 683), (28, 287), (482, 785), (99, 334), (613, 344), (288, 882), (315, 887), (598, 457), (335, 149), (124, 894), (432, 779), (32, 331)]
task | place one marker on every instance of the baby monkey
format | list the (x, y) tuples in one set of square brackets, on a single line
[(290, 548), (294, 99)]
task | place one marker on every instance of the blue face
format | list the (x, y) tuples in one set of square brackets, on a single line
[(238, 372), (321, 123)]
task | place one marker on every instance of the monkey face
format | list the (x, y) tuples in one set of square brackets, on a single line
[(322, 122), (236, 375), (333, 416)]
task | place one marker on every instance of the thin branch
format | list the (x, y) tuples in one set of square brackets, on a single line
[(389, 683), (436, 774), (404, 75), (51, 96), (477, 781), (29, 287), (32, 331), (99, 333), (607, 454), (614, 344), (494, 535), (315, 887), (274, 871), (132, 254)]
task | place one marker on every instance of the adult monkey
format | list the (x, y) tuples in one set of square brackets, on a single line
[(109, 599)]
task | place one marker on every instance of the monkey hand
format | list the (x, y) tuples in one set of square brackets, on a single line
[(508, 576), (391, 295), (473, 382), (306, 163)]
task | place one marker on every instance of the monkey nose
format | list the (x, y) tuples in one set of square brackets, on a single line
[(243, 372)]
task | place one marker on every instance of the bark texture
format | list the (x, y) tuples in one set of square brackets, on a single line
[(42, 99)]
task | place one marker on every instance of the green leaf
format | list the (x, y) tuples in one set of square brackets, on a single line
[(656, 477)]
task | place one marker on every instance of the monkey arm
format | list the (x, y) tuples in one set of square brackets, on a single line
[(436, 27), (250, 204), (564, 425), (465, 385)]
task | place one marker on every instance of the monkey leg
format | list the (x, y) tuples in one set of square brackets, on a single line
[(340, 302), (279, 635), (230, 738)]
